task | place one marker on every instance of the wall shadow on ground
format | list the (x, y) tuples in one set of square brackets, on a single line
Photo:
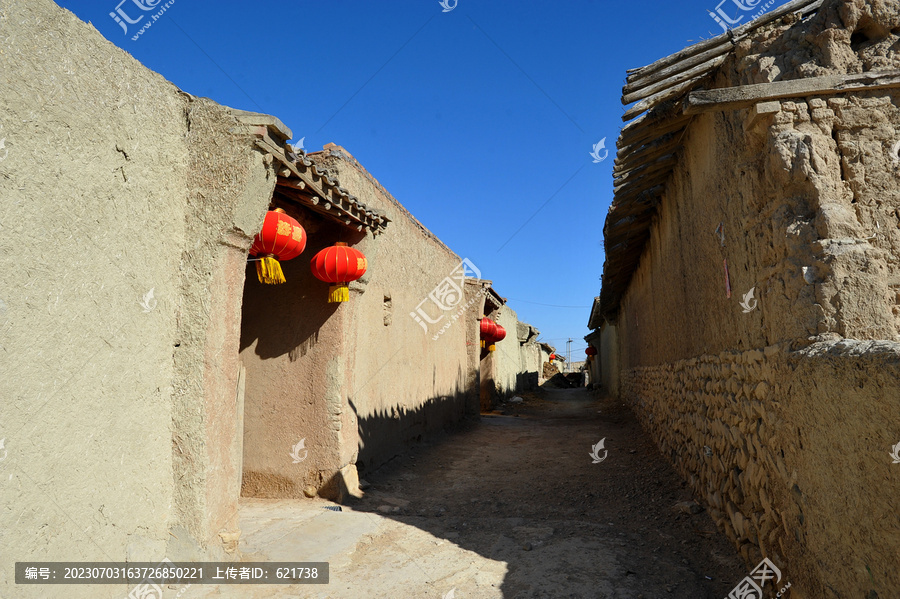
[(509, 499)]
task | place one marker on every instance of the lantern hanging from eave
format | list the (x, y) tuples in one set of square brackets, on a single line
[(488, 328), (281, 238), (339, 265), (552, 357), (591, 350)]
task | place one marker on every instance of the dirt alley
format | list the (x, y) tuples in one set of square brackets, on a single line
[(509, 507)]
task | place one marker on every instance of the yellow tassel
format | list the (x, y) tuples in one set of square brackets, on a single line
[(268, 270), (338, 293), (492, 348), (482, 343)]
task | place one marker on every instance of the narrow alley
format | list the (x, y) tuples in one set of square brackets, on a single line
[(450, 300), (511, 507)]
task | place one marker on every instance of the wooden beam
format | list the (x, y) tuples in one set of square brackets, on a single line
[(663, 163), (736, 34), (735, 98), (290, 183), (666, 79), (635, 138), (655, 99), (626, 191), (678, 67), (665, 145)]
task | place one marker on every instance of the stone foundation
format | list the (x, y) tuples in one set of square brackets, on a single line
[(789, 452)]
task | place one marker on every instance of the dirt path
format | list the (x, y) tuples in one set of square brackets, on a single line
[(511, 507)]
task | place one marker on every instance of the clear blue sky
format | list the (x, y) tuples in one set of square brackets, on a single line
[(479, 120)]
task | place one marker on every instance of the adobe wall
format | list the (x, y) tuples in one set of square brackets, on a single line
[(400, 381), (796, 418), (609, 359), (118, 414), (507, 358)]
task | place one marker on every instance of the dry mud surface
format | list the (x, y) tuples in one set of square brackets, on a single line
[(510, 507)]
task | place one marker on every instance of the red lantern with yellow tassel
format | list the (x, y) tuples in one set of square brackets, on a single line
[(339, 265), (281, 238), (591, 350), (488, 328)]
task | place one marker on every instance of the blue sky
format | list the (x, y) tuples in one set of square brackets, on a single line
[(479, 120)]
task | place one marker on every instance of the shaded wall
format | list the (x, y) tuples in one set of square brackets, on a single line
[(400, 380), (125, 227), (292, 346), (609, 359)]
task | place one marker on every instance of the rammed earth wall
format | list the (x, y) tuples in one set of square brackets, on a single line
[(797, 396)]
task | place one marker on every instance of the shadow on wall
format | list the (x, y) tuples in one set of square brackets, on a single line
[(526, 381), (389, 432)]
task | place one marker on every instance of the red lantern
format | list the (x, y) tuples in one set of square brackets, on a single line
[(488, 328), (552, 357), (591, 350), (339, 264), (498, 335), (281, 238)]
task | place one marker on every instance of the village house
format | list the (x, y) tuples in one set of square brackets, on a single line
[(750, 307), (168, 368)]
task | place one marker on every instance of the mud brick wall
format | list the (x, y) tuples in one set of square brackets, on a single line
[(755, 434)]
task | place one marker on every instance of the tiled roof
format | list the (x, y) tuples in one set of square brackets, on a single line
[(301, 180)]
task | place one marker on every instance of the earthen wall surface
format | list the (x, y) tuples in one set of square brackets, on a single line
[(127, 211)]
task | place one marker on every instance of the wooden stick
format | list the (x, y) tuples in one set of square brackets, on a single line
[(744, 96), (652, 101), (806, 6), (667, 79)]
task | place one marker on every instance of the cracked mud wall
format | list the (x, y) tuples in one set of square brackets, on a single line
[(781, 426), (118, 405)]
